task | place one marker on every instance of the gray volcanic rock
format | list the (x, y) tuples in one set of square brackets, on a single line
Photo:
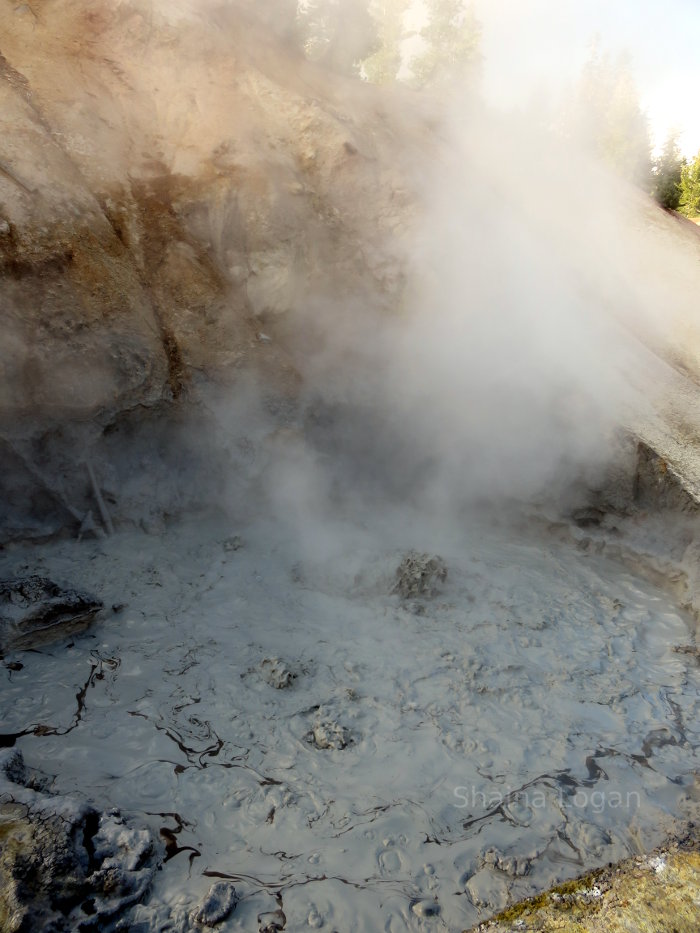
[(419, 574), (34, 610), (216, 905), (63, 865)]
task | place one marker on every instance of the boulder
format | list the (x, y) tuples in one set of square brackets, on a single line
[(35, 610)]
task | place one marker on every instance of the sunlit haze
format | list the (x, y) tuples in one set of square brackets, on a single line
[(536, 50)]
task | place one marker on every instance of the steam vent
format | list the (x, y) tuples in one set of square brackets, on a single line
[(349, 469)]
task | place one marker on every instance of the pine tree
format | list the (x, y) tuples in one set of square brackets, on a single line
[(336, 33), (611, 119), (384, 63), (446, 43), (453, 37), (667, 174), (689, 201)]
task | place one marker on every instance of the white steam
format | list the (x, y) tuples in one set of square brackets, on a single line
[(534, 281)]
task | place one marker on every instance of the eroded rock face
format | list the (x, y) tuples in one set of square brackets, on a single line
[(63, 865), (166, 178), (173, 182)]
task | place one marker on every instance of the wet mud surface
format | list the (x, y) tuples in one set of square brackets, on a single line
[(351, 759)]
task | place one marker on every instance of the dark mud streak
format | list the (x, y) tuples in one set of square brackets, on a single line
[(657, 738), (283, 885), (191, 702), (194, 756), (169, 835), (172, 848), (552, 781), (282, 855), (373, 813), (652, 741), (7, 740), (566, 784), (595, 772), (248, 879), (677, 716)]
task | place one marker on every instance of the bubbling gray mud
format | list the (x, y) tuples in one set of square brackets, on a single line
[(529, 721)]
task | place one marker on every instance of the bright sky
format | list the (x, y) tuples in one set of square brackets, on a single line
[(534, 47)]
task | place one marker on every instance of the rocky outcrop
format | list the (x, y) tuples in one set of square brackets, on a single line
[(178, 187), (418, 575), (64, 865), (35, 610), (216, 906), (655, 892), (167, 179), (172, 180)]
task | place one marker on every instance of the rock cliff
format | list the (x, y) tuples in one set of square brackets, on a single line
[(172, 179)]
